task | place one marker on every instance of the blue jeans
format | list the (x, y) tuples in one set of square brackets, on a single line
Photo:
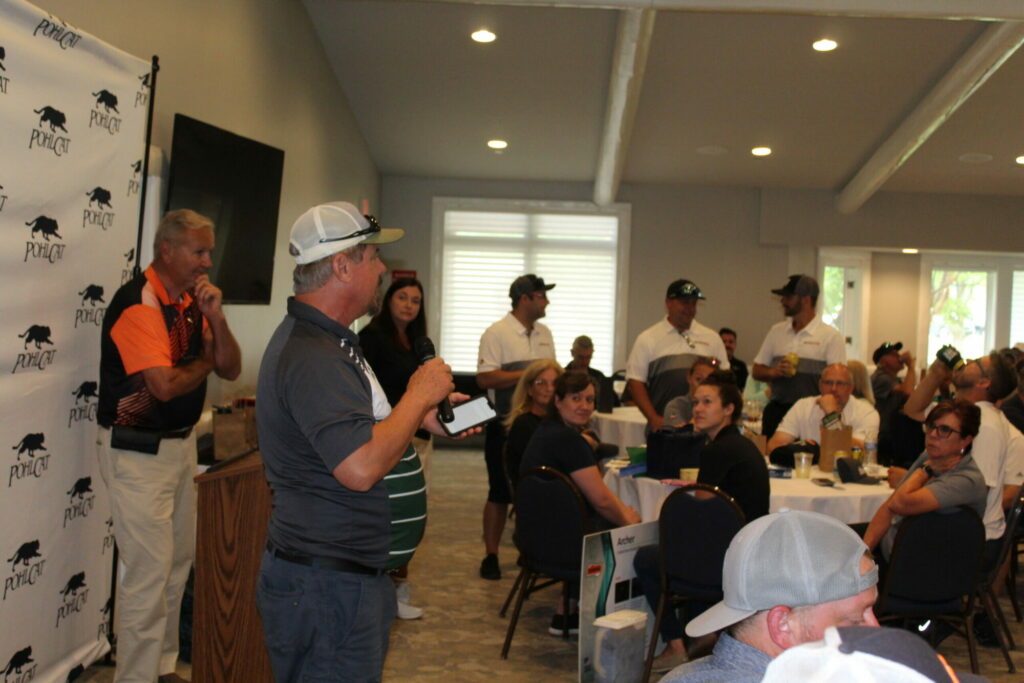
[(324, 625)]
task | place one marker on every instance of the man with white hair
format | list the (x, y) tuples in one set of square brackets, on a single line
[(787, 577), (328, 437)]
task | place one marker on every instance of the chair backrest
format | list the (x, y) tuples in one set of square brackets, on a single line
[(697, 523), (551, 521), (935, 557), (1010, 536)]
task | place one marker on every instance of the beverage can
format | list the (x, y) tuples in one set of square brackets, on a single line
[(794, 361)]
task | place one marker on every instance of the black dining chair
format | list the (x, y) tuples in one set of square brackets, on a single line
[(989, 577), (551, 521), (696, 524), (933, 572)]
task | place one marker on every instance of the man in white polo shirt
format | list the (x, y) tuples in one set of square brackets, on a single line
[(832, 409), (803, 334), (660, 361), (506, 348)]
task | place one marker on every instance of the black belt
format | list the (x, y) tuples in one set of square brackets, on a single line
[(334, 563), (169, 434)]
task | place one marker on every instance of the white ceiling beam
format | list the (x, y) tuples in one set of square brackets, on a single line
[(981, 60), (632, 45), (978, 10)]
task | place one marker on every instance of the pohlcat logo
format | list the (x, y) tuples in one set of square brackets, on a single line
[(58, 31), (86, 499), (40, 138), (105, 118), (38, 358), (4, 80), (19, 666), (26, 567), (33, 466), (74, 596), (91, 314), (3, 198), (106, 611), (108, 537), (86, 411), (142, 95), (44, 249), (135, 182), (95, 213), (126, 272)]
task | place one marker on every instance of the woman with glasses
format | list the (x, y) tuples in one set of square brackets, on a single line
[(944, 476), (559, 443), (530, 402)]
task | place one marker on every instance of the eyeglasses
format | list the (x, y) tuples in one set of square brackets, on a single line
[(373, 227), (834, 383), (943, 431), (543, 382), (981, 368)]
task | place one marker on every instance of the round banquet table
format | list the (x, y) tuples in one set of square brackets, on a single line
[(624, 426), (849, 503)]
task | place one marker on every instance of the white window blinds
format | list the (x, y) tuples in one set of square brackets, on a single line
[(482, 252)]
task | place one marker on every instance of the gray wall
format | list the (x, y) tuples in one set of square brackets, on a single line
[(256, 68)]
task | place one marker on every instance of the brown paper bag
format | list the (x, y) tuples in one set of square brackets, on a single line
[(833, 440)]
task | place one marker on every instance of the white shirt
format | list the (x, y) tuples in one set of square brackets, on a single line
[(508, 345), (818, 345), (803, 420), (662, 355)]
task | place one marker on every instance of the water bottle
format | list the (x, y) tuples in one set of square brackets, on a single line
[(870, 453)]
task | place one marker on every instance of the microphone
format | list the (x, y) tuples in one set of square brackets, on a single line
[(424, 349)]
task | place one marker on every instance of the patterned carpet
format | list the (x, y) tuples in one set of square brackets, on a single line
[(460, 636)]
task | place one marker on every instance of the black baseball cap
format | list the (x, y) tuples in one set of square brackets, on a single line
[(683, 289), (801, 285), (527, 284), (885, 348)]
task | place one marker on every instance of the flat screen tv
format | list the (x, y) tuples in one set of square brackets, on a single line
[(236, 183)]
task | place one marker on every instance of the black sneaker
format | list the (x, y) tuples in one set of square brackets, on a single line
[(489, 568), (558, 624)]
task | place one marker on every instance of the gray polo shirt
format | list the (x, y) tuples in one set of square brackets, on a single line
[(314, 408)]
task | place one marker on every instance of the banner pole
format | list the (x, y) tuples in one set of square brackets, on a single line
[(145, 165)]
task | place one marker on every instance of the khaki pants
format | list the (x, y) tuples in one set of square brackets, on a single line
[(152, 498)]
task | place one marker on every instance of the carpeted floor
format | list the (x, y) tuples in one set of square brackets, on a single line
[(460, 636)]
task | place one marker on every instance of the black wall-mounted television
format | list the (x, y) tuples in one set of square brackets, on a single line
[(236, 183)]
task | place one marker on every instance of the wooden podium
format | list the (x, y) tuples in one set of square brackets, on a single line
[(227, 634)]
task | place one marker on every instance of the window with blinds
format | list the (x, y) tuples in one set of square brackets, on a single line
[(1017, 309), (484, 245)]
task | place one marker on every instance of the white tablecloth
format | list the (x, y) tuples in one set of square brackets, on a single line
[(624, 426), (849, 503)]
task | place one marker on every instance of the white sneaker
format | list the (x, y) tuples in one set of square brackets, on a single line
[(405, 610)]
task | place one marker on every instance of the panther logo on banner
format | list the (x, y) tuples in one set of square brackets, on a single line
[(4, 80), (26, 567), (33, 466), (52, 140), (44, 249), (19, 666), (87, 410), (3, 198), (135, 182), (94, 213), (142, 95), (104, 118), (79, 509), (74, 596), (38, 358), (91, 314)]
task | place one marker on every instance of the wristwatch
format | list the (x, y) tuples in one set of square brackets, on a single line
[(929, 471)]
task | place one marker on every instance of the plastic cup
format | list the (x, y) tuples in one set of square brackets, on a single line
[(802, 465), (794, 360)]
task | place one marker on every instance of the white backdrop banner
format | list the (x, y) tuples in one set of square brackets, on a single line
[(73, 114)]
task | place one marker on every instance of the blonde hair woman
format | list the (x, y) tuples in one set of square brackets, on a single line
[(530, 402)]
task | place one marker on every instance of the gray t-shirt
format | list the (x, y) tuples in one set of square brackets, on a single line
[(314, 409), (962, 485)]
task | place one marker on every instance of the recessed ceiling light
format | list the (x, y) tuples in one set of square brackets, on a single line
[(712, 150), (1020, 160), (909, 251), (975, 158), (825, 45), (761, 151), (483, 36), (497, 145)]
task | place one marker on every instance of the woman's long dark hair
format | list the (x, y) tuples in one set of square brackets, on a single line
[(384, 322)]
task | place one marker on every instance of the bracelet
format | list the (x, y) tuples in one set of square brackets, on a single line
[(832, 421)]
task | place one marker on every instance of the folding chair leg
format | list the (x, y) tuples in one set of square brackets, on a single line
[(511, 593), (1011, 590), (995, 615), (523, 587), (565, 610), (1002, 623), (972, 646), (649, 660)]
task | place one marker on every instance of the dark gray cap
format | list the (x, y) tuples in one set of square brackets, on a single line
[(801, 285), (527, 284)]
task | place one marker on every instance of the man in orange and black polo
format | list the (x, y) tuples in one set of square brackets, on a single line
[(163, 333)]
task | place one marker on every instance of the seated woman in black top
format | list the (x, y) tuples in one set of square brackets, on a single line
[(729, 461), (530, 402), (559, 443)]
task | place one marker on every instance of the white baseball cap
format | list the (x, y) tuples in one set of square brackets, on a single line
[(329, 228)]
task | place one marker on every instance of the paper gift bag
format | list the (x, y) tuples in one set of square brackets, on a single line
[(833, 440)]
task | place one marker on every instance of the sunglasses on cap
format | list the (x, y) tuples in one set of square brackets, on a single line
[(369, 230)]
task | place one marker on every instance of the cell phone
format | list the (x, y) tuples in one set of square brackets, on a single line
[(473, 413), (821, 481)]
